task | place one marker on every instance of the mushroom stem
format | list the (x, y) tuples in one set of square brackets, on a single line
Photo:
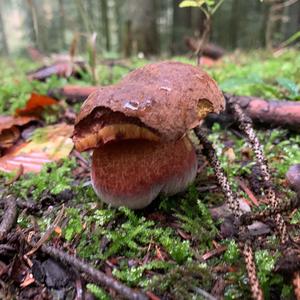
[(133, 172)]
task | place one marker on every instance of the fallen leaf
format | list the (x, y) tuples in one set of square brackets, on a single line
[(27, 281), (9, 129), (63, 68), (229, 153), (8, 137), (35, 104), (6, 122), (48, 144)]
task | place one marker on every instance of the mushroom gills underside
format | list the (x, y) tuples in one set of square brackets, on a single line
[(113, 132), (134, 172)]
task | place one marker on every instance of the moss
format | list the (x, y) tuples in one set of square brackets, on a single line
[(180, 281), (232, 253), (54, 178), (97, 291)]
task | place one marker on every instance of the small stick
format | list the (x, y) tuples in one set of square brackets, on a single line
[(214, 252), (48, 232), (9, 217), (248, 192), (97, 276)]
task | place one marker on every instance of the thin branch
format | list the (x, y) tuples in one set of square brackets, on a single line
[(96, 276)]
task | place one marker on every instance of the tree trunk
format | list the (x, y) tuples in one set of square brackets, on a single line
[(142, 15), (4, 49), (105, 24), (234, 22), (119, 22), (39, 25), (62, 23), (182, 23)]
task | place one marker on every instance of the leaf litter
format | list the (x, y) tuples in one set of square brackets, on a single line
[(161, 249)]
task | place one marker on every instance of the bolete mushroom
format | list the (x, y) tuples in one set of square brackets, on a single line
[(138, 130)]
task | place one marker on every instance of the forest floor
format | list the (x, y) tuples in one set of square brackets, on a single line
[(173, 249)]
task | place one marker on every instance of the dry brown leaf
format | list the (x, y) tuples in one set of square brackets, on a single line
[(49, 144), (9, 129)]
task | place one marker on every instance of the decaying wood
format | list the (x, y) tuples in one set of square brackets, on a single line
[(211, 50), (271, 113), (9, 217), (72, 93)]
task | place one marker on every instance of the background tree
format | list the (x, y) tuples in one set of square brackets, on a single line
[(4, 48), (140, 18), (126, 27)]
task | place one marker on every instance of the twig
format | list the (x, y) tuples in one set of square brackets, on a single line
[(214, 252), (97, 276), (247, 191), (9, 217), (204, 294), (32, 207), (48, 233)]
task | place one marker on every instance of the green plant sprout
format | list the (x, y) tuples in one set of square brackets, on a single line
[(208, 7)]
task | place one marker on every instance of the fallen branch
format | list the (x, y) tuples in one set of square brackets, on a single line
[(211, 50), (9, 217), (96, 276), (273, 113), (72, 93)]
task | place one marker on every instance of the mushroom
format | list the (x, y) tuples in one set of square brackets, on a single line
[(138, 130)]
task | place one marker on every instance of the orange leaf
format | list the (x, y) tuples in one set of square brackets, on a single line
[(34, 105)]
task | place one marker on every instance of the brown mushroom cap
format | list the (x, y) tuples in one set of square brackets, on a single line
[(160, 101)]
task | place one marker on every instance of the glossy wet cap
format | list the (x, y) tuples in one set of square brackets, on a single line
[(160, 101)]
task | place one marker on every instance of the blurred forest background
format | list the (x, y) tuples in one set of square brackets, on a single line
[(151, 27)]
